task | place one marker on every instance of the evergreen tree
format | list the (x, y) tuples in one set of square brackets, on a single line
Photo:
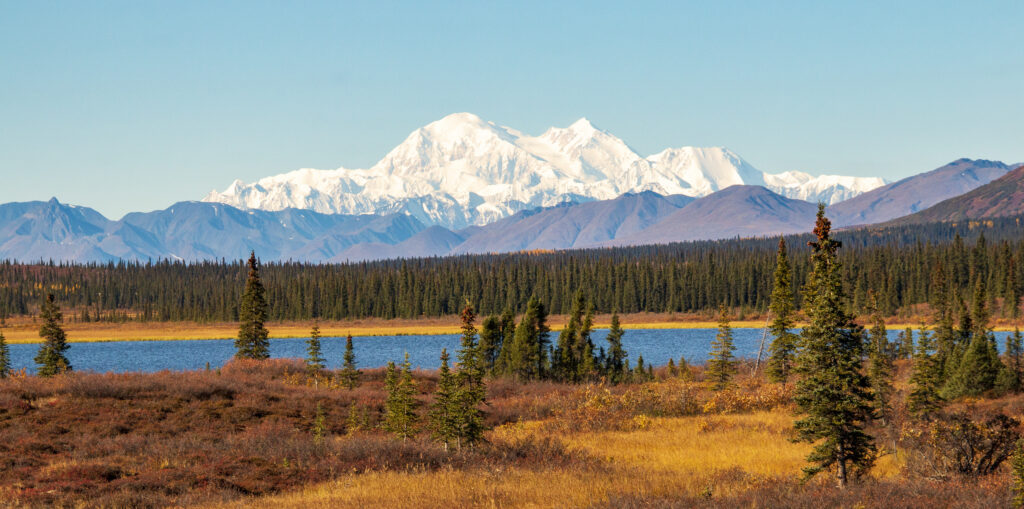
[(444, 422), (881, 370), (490, 342), (400, 408), (832, 394), (319, 425), (925, 379), (252, 342), (51, 358), (672, 371), (616, 363), (906, 343), (684, 369), (978, 368), (1011, 295), (528, 353), (471, 391), (640, 371), (722, 364), (349, 374), (570, 361), (5, 357), (1015, 355), (314, 356), (508, 332), (782, 308)]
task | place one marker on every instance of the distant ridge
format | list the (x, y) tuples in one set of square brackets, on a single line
[(917, 192), (1002, 197)]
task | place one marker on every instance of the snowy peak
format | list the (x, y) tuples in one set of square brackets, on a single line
[(462, 170)]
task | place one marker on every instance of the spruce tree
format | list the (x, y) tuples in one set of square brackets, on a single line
[(783, 347), (616, 363), (684, 369), (907, 343), (444, 423), (400, 407), (570, 362), (349, 374), (314, 356), (979, 367), (527, 358), (1011, 295), (833, 396), (252, 342), (51, 358), (490, 342), (925, 378), (471, 392), (881, 370), (640, 371), (508, 332), (1015, 355), (722, 364), (5, 357)]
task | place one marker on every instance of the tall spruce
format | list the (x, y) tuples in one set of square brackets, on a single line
[(979, 367), (252, 342), (490, 342), (1015, 355), (881, 370), (314, 355), (443, 415), (782, 309), (400, 415), (570, 362), (925, 378), (349, 373), (51, 358), (722, 365), (616, 362), (1011, 293), (507, 325), (528, 355), (5, 357), (833, 396), (471, 391)]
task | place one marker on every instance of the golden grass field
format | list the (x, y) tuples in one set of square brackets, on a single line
[(26, 330), (666, 458)]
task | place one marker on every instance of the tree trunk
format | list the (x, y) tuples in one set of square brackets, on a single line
[(841, 466)]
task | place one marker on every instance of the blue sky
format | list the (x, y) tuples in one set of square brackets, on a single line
[(127, 106)]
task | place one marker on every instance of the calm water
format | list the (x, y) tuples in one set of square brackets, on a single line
[(656, 346)]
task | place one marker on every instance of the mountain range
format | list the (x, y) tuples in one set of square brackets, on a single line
[(461, 171), (464, 185), (193, 231)]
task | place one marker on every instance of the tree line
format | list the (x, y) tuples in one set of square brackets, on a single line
[(895, 264)]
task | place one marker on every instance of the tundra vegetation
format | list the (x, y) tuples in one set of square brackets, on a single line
[(837, 416)]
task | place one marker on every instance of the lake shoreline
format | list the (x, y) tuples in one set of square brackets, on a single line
[(24, 331)]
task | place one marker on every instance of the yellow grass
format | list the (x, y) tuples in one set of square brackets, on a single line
[(26, 330), (671, 456)]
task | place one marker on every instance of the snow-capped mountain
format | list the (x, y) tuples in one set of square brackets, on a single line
[(462, 170)]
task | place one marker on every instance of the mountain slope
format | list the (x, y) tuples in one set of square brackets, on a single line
[(462, 170), (573, 225), (1000, 198), (916, 193), (50, 230), (738, 211)]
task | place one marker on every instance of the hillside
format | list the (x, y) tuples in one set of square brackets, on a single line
[(1002, 197)]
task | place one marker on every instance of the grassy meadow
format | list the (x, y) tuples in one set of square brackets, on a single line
[(242, 436)]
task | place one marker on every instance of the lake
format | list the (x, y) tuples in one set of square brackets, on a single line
[(655, 345)]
